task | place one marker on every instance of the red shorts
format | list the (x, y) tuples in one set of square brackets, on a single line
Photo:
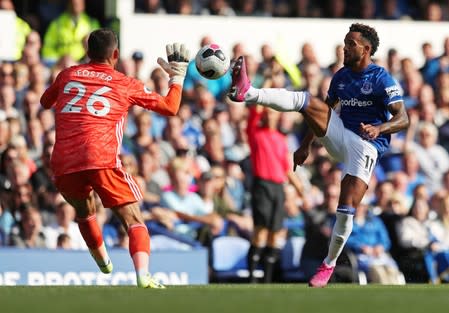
[(113, 186)]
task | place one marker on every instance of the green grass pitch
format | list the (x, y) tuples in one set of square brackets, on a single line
[(235, 298)]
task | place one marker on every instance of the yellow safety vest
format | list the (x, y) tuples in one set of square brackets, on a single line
[(65, 37), (22, 31)]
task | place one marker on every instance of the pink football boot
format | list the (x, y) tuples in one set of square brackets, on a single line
[(240, 82), (322, 276)]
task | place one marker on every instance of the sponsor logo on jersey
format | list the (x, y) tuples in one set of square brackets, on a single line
[(367, 88), (354, 102), (341, 86), (393, 91)]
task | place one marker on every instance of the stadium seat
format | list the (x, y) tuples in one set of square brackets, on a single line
[(290, 259), (229, 259), (157, 229)]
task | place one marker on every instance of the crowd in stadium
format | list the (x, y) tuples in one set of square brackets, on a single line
[(197, 162)]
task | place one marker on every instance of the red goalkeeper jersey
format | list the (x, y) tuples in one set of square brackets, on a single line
[(91, 102)]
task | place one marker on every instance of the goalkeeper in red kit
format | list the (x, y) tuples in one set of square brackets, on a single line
[(91, 102)]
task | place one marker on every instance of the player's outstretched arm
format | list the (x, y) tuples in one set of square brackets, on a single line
[(176, 68), (178, 57)]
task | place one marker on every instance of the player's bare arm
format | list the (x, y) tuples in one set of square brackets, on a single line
[(302, 153), (398, 122)]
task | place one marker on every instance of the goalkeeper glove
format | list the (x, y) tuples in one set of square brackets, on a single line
[(178, 59)]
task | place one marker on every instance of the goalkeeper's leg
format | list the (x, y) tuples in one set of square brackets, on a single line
[(139, 243), (91, 232)]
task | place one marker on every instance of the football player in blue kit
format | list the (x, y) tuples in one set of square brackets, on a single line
[(371, 109)]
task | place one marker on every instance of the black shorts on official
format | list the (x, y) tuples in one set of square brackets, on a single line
[(267, 200)]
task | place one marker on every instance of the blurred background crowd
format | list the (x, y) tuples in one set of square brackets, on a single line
[(197, 163)]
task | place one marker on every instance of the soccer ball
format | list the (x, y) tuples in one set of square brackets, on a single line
[(211, 62)]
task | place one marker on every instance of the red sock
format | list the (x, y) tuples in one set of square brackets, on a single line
[(90, 231), (139, 240), (139, 247)]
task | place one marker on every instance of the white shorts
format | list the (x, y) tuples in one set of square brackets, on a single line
[(358, 156)]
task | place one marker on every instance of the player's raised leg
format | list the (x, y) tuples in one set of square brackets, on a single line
[(91, 232), (315, 111)]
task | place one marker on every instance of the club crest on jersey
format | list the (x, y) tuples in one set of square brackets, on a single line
[(367, 88)]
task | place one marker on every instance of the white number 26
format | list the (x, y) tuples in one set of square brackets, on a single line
[(71, 106)]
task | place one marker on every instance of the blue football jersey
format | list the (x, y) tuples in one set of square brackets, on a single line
[(364, 97)]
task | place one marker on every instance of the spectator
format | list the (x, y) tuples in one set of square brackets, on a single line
[(64, 242), (308, 56), (370, 242), (42, 182), (173, 138), (187, 7), (137, 58), (65, 224), (294, 220), (18, 142), (142, 138), (34, 137), (391, 10), (416, 232), (147, 166), (187, 204), (151, 6), (394, 63), (65, 37), (367, 9), (239, 151), (158, 170), (411, 168), (6, 222), (28, 233), (393, 211), (338, 63), (434, 12), (219, 7), (6, 74), (432, 157), (7, 99), (335, 9), (22, 29), (436, 65), (221, 115), (191, 126), (21, 82), (318, 230), (18, 172), (212, 150)]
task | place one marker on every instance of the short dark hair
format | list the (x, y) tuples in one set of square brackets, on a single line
[(101, 44), (368, 33)]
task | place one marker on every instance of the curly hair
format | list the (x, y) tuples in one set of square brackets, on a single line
[(368, 33)]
